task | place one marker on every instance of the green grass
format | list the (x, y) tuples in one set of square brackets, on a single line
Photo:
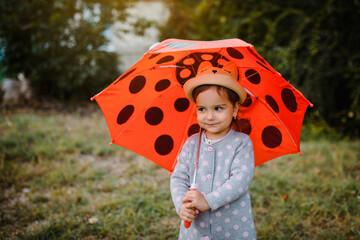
[(61, 180)]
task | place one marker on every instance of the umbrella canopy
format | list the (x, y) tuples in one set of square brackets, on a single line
[(147, 111)]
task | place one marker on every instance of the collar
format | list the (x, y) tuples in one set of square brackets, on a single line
[(211, 142)]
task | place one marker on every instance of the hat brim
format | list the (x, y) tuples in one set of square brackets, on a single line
[(214, 79)]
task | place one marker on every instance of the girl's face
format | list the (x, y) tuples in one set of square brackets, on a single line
[(215, 112)]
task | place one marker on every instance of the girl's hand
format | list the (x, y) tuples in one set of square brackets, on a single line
[(196, 200), (187, 213)]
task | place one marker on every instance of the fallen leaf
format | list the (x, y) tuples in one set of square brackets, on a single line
[(286, 197), (93, 220)]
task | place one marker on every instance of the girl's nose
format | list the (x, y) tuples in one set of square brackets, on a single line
[(210, 115)]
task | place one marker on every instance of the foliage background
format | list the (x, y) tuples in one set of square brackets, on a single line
[(60, 45), (313, 44)]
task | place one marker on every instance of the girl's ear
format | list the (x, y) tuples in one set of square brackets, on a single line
[(236, 109)]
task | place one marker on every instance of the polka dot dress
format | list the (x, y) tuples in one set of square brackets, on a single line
[(225, 170)]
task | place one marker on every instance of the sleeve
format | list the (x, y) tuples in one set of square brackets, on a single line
[(241, 174), (180, 178)]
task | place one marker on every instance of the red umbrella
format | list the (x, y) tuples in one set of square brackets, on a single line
[(147, 111)]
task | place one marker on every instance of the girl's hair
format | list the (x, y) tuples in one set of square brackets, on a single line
[(232, 96), (238, 125)]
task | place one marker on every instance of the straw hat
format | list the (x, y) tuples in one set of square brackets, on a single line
[(209, 75)]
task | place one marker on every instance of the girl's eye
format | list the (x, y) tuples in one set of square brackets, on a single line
[(201, 109), (218, 108)]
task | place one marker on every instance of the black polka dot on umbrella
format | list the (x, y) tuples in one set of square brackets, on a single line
[(181, 104), (195, 128), (137, 84), (125, 75), (162, 85), (253, 76), (165, 59), (289, 99), (154, 116), (164, 144), (234, 53), (154, 55), (244, 125), (272, 103), (125, 114), (271, 137), (247, 102)]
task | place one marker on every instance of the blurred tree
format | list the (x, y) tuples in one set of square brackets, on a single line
[(314, 44), (60, 44), (178, 25)]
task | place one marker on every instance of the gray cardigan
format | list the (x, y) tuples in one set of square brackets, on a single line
[(225, 170)]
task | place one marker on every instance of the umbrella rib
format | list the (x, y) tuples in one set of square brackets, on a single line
[(218, 55), (196, 59), (272, 111), (184, 138), (192, 65)]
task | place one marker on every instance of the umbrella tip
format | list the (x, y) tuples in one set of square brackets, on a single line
[(311, 105), (301, 154), (110, 143), (92, 98)]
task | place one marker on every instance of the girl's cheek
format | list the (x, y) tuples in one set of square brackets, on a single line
[(200, 114)]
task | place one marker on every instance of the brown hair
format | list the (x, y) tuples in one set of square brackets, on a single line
[(238, 125), (232, 96)]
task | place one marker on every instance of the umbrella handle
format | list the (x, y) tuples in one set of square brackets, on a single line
[(186, 223)]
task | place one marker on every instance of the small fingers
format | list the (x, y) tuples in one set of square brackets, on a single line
[(190, 193), (192, 205), (188, 197), (187, 217), (189, 209), (186, 213)]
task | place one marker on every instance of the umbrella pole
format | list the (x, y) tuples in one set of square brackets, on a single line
[(193, 184)]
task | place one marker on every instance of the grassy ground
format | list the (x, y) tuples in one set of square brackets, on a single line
[(60, 180)]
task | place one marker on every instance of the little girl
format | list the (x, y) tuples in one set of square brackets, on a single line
[(220, 207)]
